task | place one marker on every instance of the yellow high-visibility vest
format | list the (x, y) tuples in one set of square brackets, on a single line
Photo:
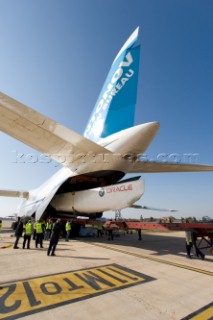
[(49, 226), (28, 229), (68, 226), (188, 237), (38, 227)]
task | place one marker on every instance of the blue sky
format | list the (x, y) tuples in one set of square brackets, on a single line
[(55, 56)]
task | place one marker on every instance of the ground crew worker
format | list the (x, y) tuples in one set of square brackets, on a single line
[(68, 229), (34, 230), (27, 234), (110, 232), (18, 232), (139, 234), (48, 227), (39, 233), (189, 243), (54, 238), (0, 225), (99, 231)]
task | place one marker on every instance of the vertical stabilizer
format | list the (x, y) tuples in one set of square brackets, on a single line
[(115, 107)]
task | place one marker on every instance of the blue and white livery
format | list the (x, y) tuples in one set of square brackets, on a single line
[(115, 107)]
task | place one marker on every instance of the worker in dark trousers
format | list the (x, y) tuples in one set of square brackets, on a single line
[(189, 243), (110, 232), (18, 232), (27, 234), (34, 230), (48, 229), (99, 231), (68, 228), (198, 252), (139, 234), (39, 233), (54, 238), (0, 226)]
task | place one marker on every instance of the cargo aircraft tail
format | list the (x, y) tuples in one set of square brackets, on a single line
[(90, 181)]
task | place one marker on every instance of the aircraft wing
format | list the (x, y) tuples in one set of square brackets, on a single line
[(157, 167), (44, 134)]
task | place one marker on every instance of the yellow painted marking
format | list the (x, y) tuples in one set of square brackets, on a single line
[(20, 298), (6, 247), (209, 273), (205, 313)]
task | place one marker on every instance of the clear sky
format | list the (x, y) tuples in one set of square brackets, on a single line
[(55, 55)]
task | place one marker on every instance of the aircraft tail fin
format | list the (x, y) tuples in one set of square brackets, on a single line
[(115, 107)]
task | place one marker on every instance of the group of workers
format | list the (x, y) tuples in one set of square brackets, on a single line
[(40, 230), (108, 229), (48, 230)]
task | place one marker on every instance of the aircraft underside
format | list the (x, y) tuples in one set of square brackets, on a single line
[(91, 194), (91, 180), (84, 182)]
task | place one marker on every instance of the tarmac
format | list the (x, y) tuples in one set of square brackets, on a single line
[(94, 278)]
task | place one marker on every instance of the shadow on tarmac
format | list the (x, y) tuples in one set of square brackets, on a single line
[(160, 245)]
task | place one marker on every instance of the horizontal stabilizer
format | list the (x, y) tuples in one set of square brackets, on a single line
[(136, 206), (157, 167), (43, 134), (14, 194)]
